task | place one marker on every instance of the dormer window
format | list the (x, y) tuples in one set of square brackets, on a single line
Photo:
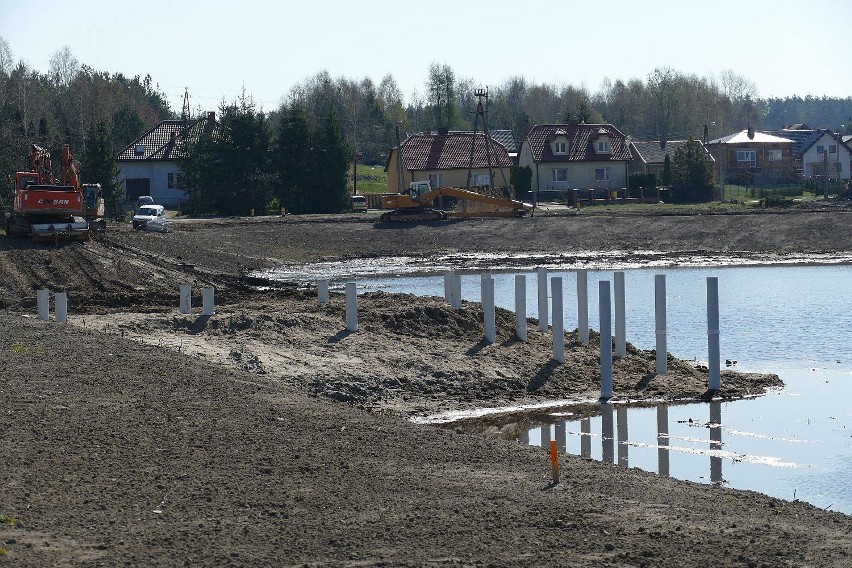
[(139, 150), (560, 147), (603, 146)]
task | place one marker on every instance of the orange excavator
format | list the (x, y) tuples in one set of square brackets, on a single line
[(46, 210), (416, 204)]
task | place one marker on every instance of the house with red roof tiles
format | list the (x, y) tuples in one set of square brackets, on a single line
[(150, 164), (564, 157), (444, 158)]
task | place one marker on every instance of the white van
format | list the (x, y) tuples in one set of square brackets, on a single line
[(148, 213), (359, 203)]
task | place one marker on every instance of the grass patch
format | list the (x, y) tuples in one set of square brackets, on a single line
[(371, 179), (7, 520)]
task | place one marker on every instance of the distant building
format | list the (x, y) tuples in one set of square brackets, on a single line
[(150, 164), (751, 157), (650, 156)]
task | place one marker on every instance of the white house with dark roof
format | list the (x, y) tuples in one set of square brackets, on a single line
[(826, 154), (575, 156), (150, 164)]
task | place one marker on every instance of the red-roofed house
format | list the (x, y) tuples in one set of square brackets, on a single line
[(150, 164), (575, 156), (443, 159)]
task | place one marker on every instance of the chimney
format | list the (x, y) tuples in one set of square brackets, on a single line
[(211, 116), (172, 137), (750, 133), (443, 132)]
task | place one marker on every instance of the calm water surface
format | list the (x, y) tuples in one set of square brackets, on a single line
[(795, 321)]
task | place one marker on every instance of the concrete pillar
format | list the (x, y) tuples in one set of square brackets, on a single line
[(185, 298), (490, 323), (606, 339), (620, 317), (583, 306), (448, 286), (322, 291), (351, 307), (541, 274), (61, 302), (558, 327), (43, 304), (660, 322), (209, 302), (713, 354), (456, 291), (521, 306)]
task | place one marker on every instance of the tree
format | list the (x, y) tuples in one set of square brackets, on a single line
[(328, 167), (63, 67), (692, 174), (97, 164), (127, 125), (290, 157), (666, 179), (443, 96)]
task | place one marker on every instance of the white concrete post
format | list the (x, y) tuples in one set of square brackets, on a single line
[(713, 355), (621, 427), (43, 304), (521, 306), (583, 306), (663, 440), (322, 291), (448, 286), (456, 292), (61, 301), (620, 317), (209, 302), (660, 322), (541, 274), (558, 327), (351, 307), (490, 323), (605, 314), (185, 298)]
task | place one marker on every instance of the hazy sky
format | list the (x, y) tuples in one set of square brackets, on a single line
[(215, 47)]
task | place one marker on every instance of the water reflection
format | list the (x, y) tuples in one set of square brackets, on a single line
[(616, 442)]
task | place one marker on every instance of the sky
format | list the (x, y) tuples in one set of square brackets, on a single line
[(217, 48)]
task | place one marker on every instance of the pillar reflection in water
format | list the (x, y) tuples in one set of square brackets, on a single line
[(586, 437), (525, 436), (663, 440), (607, 442), (621, 416), (544, 439), (561, 436), (715, 442)]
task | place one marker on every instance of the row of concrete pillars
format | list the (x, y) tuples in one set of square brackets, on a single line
[(452, 294)]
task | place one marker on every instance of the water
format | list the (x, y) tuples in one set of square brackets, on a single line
[(790, 320)]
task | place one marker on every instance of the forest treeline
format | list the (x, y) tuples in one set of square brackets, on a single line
[(62, 104)]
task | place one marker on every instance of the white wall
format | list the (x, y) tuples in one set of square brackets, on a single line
[(157, 172), (811, 157)]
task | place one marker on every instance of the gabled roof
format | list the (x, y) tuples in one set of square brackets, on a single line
[(799, 137), (820, 134), (167, 140), (743, 138), (580, 142), (450, 151), (653, 152)]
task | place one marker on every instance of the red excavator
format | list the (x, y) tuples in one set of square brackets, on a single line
[(46, 210)]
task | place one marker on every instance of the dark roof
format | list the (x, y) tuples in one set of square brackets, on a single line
[(801, 139), (651, 151), (819, 134), (451, 151), (581, 139), (166, 141)]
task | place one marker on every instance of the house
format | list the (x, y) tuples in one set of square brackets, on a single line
[(150, 164), (826, 154), (751, 157), (444, 158), (649, 156), (801, 138), (564, 157)]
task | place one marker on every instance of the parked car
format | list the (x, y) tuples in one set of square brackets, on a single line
[(359, 203), (148, 213), (144, 200)]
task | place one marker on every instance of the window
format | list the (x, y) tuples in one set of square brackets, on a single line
[(482, 180), (171, 181), (747, 157), (603, 147), (832, 149), (601, 174), (820, 149), (139, 150), (775, 155), (435, 180), (560, 174), (560, 148)]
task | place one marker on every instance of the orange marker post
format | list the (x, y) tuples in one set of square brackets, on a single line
[(554, 461)]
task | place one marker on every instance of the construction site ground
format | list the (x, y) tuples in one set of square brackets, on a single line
[(267, 434)]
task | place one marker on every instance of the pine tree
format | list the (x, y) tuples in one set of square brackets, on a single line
[(98, 165), (692, 174), (290, 158)]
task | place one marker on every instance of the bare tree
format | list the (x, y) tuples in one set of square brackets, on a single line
[(63, 67)]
